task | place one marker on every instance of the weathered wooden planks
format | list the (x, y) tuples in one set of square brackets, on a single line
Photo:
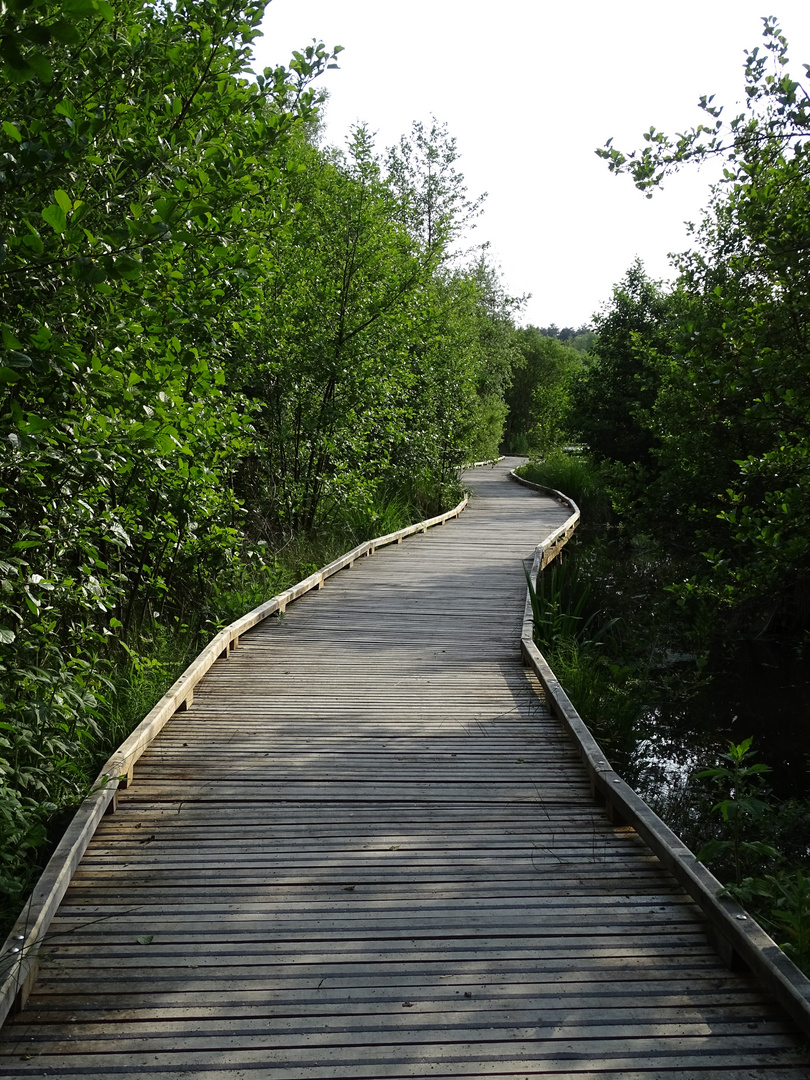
[(367, 850)]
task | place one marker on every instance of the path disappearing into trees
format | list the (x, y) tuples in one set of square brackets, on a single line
[(367, 850)]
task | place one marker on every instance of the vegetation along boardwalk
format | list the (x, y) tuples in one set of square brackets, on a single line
[(367, 850)]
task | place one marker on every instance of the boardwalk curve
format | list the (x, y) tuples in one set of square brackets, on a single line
[(369, 850)]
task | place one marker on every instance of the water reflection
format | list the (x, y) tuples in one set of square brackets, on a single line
[(764, 693)]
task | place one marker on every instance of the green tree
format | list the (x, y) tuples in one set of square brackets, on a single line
[(612, 398), (352, 331), (433, 202), (539, 397), (733, 413), (130, 173), (776, 121)]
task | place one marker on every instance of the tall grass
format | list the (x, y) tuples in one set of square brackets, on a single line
[(605, 694), (575, 475), (386, 513), (563, 606), (574, 633)]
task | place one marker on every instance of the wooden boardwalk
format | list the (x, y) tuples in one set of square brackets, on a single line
[(368, 851)]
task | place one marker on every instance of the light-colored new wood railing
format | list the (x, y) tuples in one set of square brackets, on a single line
[(18, 960)]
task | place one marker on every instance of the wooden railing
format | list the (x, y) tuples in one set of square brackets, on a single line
[(18, 960), (736, 936)]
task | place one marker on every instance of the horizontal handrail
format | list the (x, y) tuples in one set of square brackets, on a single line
[(18, 959), (180, 695), (493, 461), (737, 937), (550, 548)]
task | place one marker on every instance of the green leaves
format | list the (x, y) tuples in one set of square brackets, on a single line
[(725, 407), (54, 215), (777, 118), (18, 360), (744, 803)]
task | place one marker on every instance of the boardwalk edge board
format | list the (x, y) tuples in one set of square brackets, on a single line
[(18, 960), (737, 937)]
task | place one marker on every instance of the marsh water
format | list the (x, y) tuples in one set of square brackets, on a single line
[(762, 692)]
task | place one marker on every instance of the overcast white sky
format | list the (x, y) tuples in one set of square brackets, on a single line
[(530, 88)]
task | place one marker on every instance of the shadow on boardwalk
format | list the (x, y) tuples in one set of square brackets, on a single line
[(368, 851)]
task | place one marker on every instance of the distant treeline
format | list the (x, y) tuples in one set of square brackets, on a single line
[(582, 338)]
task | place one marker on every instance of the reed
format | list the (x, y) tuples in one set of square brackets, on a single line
[(578, 476)]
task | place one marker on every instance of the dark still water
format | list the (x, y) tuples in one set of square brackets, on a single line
[(764, 692)]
